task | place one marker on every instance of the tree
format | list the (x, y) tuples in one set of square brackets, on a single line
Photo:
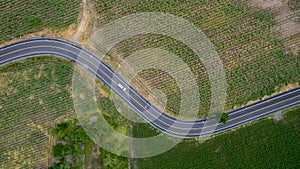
[(58, 150), (224, 118), (59, 165)]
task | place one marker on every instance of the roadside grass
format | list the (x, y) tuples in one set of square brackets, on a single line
[(112, 161), (263, 144), (252, 54), (144, 130), (112, 116), (19, 18)]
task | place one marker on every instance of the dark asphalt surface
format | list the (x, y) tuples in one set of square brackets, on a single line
[(175, 127)]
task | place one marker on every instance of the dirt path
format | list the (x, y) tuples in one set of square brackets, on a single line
[(83, 23), (87, 22), (131, 159)]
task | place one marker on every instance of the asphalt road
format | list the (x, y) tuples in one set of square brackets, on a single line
[(165, 123)]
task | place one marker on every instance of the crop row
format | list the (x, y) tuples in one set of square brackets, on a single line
[(254, 58), (37, 95), (22, 17)]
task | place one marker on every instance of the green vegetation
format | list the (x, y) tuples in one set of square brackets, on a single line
[(22, 17), (106, 89), (75, 149), (112, 116), (294, 5), (35, 93), (71, 144), (144, 130), (224, 118), (264, 144), (111, 161), (253, 56)]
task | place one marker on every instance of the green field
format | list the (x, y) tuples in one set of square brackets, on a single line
[(34, 94), (26, 121), (264, 144), (253, 53), (20, 17)]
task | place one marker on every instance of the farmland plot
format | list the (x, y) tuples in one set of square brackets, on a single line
[(275, 141), (20, 17), (247, 39), (35, 94)]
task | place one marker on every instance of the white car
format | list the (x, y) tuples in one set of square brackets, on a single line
[(122, 87), (147, 106)]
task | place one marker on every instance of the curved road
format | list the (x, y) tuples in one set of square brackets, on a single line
[(165, 123)]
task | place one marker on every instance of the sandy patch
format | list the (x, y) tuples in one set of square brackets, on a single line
[(4, 85), (265, 3), (87, 24), (288, 26), (40, 101), (41, 68), (54, 87), (83, 22), (24, 75), (31, 97)]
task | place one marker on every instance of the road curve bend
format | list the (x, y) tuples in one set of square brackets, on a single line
[(160, 120)]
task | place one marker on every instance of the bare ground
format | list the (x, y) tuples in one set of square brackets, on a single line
[(83, 22), (288, 26), (87, 24)]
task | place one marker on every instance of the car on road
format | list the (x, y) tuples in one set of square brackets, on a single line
[(121, 87), (147, 106)]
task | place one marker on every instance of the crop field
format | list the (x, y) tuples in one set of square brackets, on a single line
[(257, 53), (259, 49), (34, 95), (264, 144), (20, 17)]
